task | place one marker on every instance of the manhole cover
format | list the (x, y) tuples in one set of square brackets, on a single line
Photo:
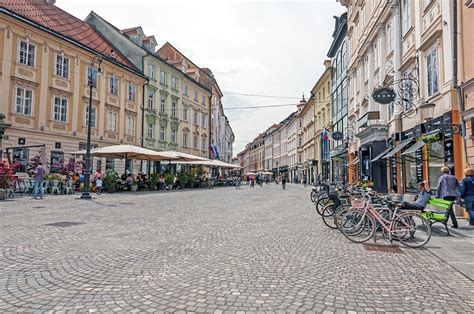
[(382, 248), (64, 224)]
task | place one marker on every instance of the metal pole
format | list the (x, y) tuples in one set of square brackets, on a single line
[(87, 173)]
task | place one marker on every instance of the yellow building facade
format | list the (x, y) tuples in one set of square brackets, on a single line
[(45, 93)]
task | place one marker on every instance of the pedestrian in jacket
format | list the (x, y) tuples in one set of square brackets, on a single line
[(448, 189), (467, 193)]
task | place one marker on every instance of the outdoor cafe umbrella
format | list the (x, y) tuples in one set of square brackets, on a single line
[(129, 152), (210, 163)]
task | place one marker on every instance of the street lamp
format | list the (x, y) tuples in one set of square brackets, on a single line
[(86, 193), (3, 127)]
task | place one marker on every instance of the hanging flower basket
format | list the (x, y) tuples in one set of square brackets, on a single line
[(429, 139)]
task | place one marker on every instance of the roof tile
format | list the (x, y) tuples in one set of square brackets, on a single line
[(50, 16)]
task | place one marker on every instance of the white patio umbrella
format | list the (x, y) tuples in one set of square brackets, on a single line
[(210, 163), (130, 152)]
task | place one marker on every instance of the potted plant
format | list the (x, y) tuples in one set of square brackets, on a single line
[(6, 179), (134, 186), (153, 181), (184, 178), (110, 180)]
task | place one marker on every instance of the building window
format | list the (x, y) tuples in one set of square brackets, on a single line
[(130, 126), (60, 109), (131, 91), (406, 15), (162, 77), (151, 99), (196, 117), (174, 83), (173, 136), (204, 99), (112, 121), (204, 118), (162, 133), (195, 96), (152, 71), (432, 67), (162, 104), (196, 142), (150, 133), (62, 66), (185, 139), (93, 115), (109, 164), (186, 90), (173, 109), (92, 76), (203, 144), (113, 85), (185, 113), (26, 54), (24, 101)]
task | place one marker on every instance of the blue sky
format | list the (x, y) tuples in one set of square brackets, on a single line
[(259, 47)]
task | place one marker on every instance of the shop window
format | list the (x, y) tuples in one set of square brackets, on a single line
[(435, 163), (409, 168), (109, 164), (20, 155)]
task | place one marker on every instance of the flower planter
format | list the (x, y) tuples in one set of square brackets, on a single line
[(134, 188), (3, 194)]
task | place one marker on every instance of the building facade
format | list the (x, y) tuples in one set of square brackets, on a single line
[(323, 122), (466, 73), (292, 147), (47, 80), (306, 116), (405, 46), (339, 92)]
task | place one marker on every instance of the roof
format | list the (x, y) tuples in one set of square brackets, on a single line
[(130, 30), (59, 21)]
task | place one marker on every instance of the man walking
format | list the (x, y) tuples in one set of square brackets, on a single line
[(283, 181), (38, 180)]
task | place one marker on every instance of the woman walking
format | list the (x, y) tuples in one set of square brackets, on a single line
[(467, 193), (448, 189)]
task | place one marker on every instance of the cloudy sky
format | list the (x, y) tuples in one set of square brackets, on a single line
[(260, 47)]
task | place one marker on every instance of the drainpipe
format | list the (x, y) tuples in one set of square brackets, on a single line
[(144, 87), (458, 88)]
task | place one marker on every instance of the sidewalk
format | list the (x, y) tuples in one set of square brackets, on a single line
[(458, 249)]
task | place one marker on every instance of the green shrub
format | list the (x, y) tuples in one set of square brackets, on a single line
[(110, 179), (153, 180), (185, 179), (169, 179)]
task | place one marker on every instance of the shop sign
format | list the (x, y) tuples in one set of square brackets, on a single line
[(337, 136), (384, 95), (83, 146), (57, 161), (393, 166), (419, 165)]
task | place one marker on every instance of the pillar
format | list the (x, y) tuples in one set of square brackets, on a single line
[(397, 50)]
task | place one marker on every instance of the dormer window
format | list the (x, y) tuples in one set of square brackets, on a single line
[(184, 67)]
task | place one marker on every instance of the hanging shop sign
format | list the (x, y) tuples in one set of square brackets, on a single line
[(384, 95), (419, 165), (337, 136), (57, 161)]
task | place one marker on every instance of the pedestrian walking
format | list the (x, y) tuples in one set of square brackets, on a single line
[(305, 179), (38, 180), (98, 185), (448, 189), (467, 193), (283, 182)]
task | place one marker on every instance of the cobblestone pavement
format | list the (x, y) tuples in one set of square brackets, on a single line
[(223, 249)]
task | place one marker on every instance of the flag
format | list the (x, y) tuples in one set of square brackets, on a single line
[(213, 151)]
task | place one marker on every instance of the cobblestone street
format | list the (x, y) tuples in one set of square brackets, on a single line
[(223, 249)]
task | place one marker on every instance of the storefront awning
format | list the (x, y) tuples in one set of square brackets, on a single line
[(381, 155), (397, 149), (356, 160), (414, 148)]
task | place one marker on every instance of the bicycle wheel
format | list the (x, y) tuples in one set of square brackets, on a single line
[(357, 226), (313, 196), (411, 229), (322, 201), (339, 214), (328, 215)]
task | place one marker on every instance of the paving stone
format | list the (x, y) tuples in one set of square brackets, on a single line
[(219, 250)]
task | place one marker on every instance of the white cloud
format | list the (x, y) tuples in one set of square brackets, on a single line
[(270, 47)]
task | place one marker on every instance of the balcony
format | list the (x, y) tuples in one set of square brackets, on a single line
[(369, 128)]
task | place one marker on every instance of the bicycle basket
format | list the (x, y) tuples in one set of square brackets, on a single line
[(357, 201)]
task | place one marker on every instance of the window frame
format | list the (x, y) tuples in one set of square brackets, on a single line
[(23, 100), (113, 85), (29, 59), (132, 92), (162, 133), (430, 79), (60, 109), (112, 116), (130, 125), (62, 67), (93, 116), (150, 130)]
